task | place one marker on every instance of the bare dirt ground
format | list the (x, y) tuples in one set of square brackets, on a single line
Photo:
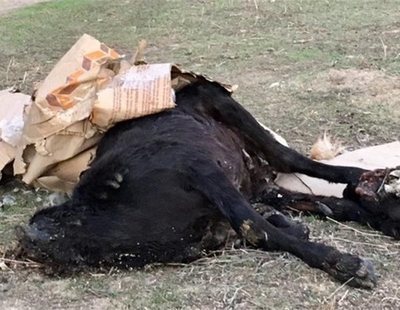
[(303, 67), (8, 5)]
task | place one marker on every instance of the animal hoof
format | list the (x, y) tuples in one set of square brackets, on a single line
[(352, 270), (392, 183), (370, 184), (391, 228), (365, 275), (378, 192), (377, 185), (289, 226), (323, 209)]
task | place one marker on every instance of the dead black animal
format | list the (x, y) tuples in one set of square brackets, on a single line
[(161, 186)]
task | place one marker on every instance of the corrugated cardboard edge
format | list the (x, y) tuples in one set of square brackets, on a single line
[(7, 154), (181, 77)]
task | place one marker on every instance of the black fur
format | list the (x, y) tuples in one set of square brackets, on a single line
[(162, 188)]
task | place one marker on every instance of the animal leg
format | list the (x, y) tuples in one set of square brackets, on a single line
[(340, 209), (363, 186), (281, 221), (381, 218), (213, 100), (379, 193), (213, 184)]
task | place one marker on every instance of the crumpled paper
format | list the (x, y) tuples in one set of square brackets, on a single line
[(90, 89), (12, 107)]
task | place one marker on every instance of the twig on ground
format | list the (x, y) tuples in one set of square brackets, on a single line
[(356, 230), (304, 183), (339, 288), (10, 63), (28, 263), (255, 4), (381, 246), (384, 46), (343, 297), (381, 187)]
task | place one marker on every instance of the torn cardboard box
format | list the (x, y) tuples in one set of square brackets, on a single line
[(12, 107), (374, 157), (57, 126), (90, 89)]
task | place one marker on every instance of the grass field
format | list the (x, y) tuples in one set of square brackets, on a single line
[(302, 66)]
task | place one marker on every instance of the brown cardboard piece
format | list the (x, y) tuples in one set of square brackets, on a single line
[(374, 157), (90, 89), (147, 84), (12, 106)]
